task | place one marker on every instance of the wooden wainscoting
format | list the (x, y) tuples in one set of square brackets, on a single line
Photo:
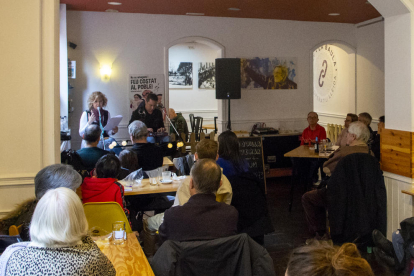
[(397, 152)]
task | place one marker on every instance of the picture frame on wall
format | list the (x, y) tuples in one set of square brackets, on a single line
[(180, 75), (206, 75), (269, 73)]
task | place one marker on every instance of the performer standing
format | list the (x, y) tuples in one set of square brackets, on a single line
[(96, 115)]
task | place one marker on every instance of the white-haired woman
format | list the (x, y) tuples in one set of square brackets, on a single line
[(59, 245), (357, 138), (96, 102)]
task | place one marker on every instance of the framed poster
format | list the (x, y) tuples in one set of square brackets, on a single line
[(268, 73), (142, 85), (206, 75), (180, 75)]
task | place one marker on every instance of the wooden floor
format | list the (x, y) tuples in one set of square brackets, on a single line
[(291, 228)]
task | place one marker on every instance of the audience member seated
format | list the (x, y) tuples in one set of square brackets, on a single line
[(366, 118), (103, 185), (400, 251), (376, 143), (150, 156), (230, 159), (205, 149), (342, 137), (324, 259), (90, 154), (179, 122), (59, 244), (357, 138), (202, 217), (129, 163), (50, 177), (313, 130), (152, 118), (353, 212)]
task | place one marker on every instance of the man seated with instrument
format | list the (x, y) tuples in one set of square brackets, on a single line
[(202, 217), (91, 153), (150, 156), (153, 119)]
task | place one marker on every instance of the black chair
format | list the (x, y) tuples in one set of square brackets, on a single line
[(192, 122), (234, 255), (198, 127), (215, 124)]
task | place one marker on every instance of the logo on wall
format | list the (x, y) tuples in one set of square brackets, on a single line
[(325, 73)]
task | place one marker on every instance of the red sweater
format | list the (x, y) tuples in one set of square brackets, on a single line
[(309, 134), (101, 190)]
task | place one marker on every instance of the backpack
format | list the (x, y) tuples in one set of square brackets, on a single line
[(71, 157)]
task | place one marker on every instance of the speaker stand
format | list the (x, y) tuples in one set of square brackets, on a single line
[(229, 122)]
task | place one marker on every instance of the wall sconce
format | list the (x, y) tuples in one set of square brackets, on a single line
[(106, 71)]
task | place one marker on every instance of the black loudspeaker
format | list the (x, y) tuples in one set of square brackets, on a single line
[(228, 78)]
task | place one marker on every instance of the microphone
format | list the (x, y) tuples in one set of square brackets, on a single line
[(100, 125)]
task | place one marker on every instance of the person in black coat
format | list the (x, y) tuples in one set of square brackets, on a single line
[(202, 217)]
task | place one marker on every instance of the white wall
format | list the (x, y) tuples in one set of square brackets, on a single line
[(201, 102), (63, 55), (135, 44), (370, 70), (29, 85), (342, 100)]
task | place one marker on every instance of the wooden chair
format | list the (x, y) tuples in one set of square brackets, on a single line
[(103, 214)]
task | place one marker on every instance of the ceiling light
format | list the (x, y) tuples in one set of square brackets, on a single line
[(194, 13), (114, 3), (233, 9), (334, 14), (111, 10)]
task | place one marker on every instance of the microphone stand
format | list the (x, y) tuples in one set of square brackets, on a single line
[(102, 130), (165, 113)]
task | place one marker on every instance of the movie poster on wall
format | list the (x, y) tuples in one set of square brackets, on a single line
[(268, 73), (206, 75), (180, 75), (141, 85)]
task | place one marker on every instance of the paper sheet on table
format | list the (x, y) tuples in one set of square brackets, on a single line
[(113, 122)]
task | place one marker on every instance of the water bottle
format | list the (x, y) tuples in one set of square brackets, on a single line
[(316, 145)]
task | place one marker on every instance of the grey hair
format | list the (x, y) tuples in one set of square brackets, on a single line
[(360, 130), (365, 118), (92, 133), (55, 176), (59, 219), (138, 130), (206, 176)]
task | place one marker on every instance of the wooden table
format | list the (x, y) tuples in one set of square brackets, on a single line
[(128, 258), (304, 152), (167, 161), (146, 188), (209, 126)]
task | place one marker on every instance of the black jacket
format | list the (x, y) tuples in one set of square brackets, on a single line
[(236, 255), (249, 199), (150, 156), (201, 218), (357, 199), (154, 120)]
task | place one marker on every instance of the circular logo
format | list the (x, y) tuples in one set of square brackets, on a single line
[(325, 73)]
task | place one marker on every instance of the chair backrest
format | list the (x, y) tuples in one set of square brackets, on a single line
[(192, 122), (234, 255), (198, 126), (103, 214), (15, 230), (215, 124)]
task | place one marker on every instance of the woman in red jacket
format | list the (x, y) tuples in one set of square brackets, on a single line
[(103, 185)]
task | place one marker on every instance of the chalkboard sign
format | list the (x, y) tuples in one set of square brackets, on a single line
[(251, 149)]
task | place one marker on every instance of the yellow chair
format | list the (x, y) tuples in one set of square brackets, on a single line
[(103, 214), (15, 230)]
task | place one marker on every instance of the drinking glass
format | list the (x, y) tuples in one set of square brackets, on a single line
[(118, 233), (166, 176)]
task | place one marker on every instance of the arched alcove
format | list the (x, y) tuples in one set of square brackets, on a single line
[(333, 85), (193, 42)]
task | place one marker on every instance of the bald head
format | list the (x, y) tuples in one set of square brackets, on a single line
[(206, 175)]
